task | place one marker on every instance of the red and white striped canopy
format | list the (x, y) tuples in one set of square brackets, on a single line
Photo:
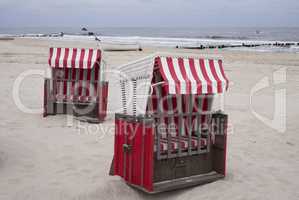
[(74, 58), (193, 75)]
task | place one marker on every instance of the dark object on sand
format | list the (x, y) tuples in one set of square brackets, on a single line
[(179, 144), (90, 33), (97, 39), (192, 47), (6, 38)]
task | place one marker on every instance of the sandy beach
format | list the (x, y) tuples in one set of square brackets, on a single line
[(44, 158)]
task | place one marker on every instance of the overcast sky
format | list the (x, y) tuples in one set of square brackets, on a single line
[(149, 13)]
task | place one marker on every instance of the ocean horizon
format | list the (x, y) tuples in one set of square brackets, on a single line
[(216, 33)]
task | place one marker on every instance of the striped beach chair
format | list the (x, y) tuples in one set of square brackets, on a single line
[(168, 135), (76, 83)]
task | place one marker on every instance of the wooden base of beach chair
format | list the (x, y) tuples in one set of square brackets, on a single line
[(137, 162), (90, 120), (47, 106), (78, 110), (181, 183), (92, 116), (49, 109), (91, 112)]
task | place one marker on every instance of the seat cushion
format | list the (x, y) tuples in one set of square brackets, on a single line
[(183, 142), (75, 98)]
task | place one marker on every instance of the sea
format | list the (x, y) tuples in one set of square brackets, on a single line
[(171, 36)]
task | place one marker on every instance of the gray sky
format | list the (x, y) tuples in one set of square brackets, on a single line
[(148, 13)]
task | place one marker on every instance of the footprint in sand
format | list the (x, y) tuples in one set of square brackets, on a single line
[(64, 158), (29, 166), (55, 183), (3, 158), (66, 169), (13, 180), (67, 157), (85, 171), (68, 146)]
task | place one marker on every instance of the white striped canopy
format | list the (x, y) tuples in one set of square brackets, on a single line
[(182, 74), (192, 75), (74, 58)]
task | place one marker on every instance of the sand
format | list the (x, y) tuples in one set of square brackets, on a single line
[(44, 158)]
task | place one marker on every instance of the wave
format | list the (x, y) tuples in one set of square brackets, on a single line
[(217, 37), (216, 41)]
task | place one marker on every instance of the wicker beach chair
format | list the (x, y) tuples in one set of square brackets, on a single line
[(167, 136), (76, 83)]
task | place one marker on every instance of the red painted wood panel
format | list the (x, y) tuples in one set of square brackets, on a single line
[(138, 162)]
